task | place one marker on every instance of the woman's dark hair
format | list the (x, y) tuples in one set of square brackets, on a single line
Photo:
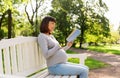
[(44, 24)]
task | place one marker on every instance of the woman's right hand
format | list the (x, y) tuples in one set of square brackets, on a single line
[(69, 44), (58, 46)]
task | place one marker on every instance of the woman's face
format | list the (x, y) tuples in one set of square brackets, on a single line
[(51, 26)]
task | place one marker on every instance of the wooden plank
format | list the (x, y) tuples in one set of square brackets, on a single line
[(50, 76), (31, 53), (65, 76), (41, 57), (19, 58), (29, 71), (7, 60), (36, 52), (13, 59), (73, 76), (25, 56), (1, 63), (57, 76), (53, 76), (42, 74), (10, 76), (18, 40)]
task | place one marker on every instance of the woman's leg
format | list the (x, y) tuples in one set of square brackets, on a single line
[(69, 69), (79, 65)]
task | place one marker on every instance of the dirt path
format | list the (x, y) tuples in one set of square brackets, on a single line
[(112, 71)]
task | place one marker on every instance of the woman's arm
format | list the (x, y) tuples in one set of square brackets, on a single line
[(44, 47), (69, 44)]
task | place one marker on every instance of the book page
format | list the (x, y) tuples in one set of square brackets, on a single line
[(75, 33)]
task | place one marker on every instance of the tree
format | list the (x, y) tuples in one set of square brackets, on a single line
[(64, 24), (8, 11), (91, 21), (63, 27), (88, 16), (33, 19)]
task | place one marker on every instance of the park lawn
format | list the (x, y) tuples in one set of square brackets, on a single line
[(111, 49), (90, 62)]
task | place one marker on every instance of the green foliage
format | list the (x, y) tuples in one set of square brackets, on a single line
[(70, 52), (4, 32), (115, 36), (83, 15), (63, 26), (91, 38), (69, 14), (8, 5), (1, 34)]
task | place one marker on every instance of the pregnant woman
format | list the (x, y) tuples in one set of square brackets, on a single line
[(54, 54)]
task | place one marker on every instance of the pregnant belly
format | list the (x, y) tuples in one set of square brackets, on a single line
[(61, 55)]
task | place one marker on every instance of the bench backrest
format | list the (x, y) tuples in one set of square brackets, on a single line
[(20, 54)]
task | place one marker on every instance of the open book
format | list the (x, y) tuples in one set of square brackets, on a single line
[(75, 33)]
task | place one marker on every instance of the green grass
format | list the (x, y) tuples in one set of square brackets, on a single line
[(71, 52), (94, 64), (90, 62), (111, 49)]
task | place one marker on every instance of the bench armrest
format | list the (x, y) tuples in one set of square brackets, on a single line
[(81, 57)]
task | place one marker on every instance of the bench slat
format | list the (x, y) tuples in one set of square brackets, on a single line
[(36, 53), (50, 76), (7, 60), (1, 64), (19, 57), (9, 42), (57, 76), (43, 74), (10, 76), (65, 76), (31, 52), (73, 77), (13, 59), (25, 56), (30, 71)]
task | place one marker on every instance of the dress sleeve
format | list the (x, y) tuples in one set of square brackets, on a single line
[(66, 48), (44, 47)]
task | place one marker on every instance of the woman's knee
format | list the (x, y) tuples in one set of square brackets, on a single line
[(86, 70)]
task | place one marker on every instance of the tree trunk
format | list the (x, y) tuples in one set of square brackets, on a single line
[(82, 32), (36, 23), (9, 23), (81, 38)]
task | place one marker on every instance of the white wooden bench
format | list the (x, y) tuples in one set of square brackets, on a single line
[(21, 58)]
